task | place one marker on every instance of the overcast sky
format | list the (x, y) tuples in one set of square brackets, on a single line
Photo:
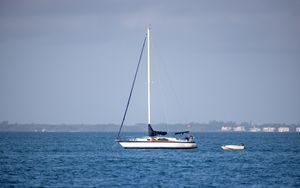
[(74, 61)]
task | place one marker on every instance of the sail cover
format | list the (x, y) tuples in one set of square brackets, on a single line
[(152, 132), (183, 132)]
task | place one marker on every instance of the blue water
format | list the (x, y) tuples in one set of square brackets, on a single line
[(95, 160)]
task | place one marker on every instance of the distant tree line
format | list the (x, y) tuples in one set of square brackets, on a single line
[(212, 126)]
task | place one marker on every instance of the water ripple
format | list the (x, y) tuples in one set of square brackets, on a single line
[(94, 160)]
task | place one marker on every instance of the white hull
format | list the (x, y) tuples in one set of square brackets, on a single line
[(157, 145), (234, 147)]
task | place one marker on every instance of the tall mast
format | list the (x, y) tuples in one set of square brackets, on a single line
[(149, 78)]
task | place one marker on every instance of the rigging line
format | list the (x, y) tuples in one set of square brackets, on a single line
[(130, 94), (162, 97), (168, 82)]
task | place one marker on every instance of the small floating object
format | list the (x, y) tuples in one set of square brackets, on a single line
[(234, 147)]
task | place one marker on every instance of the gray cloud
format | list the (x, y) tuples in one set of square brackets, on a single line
[(72, 61)]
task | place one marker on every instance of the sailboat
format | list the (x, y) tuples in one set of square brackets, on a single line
[(155, 139)]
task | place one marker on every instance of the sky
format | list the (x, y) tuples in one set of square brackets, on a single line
[(73, 61)]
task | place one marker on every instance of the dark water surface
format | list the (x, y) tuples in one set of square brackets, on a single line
[(95, 160)]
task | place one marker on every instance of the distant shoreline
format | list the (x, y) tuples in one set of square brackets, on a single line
[(213, 126), (115, 132)]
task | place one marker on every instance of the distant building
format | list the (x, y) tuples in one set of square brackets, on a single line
[(254, 129), (239, 129), (268, 129), (226, 129), (283, 129), (298, 129)]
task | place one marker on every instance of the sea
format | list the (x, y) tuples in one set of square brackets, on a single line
[(96, 160)]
